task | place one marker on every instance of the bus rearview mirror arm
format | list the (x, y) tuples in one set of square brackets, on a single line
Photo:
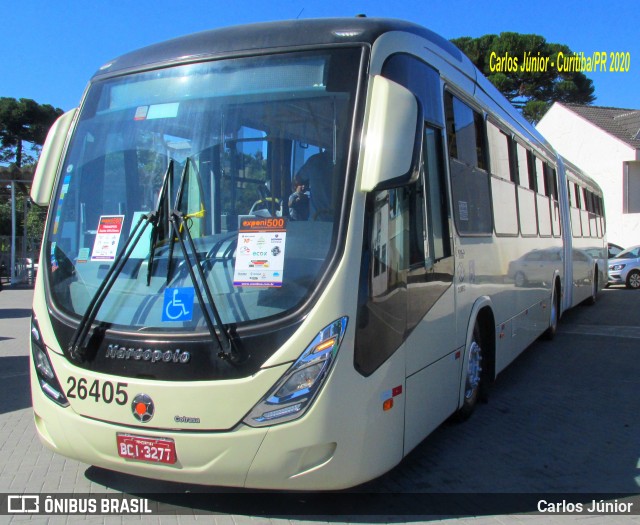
[(392, 138)]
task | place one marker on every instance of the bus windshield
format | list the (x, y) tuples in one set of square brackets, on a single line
[(253, 153)]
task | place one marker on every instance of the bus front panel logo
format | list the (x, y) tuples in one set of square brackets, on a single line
[(142, 408), (147, 354)]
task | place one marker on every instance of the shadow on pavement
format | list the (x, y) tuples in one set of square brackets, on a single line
[(15, 393), (14, 313), (355, 506)]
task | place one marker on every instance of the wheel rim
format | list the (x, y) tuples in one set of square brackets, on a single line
[(634, 280), (474, 370)]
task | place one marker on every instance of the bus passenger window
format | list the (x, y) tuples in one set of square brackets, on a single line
[(467, 158), (498, 152), (540, 178), (533, 178)]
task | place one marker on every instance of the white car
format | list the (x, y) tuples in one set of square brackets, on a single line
[(625, 268)]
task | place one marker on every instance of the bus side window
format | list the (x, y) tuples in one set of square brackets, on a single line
[(503, 190), (467, 159), (437, 219), (386, 251)]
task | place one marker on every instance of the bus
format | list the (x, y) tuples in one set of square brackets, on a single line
[(280, 255)]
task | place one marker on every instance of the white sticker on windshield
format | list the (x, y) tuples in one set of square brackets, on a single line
[(260, 252), (83, 255), (141, 251), (105, 246), (169, 110)]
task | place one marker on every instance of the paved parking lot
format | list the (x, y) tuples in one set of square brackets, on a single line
[(562, 420)]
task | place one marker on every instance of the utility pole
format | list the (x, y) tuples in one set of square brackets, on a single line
[(13, 232)]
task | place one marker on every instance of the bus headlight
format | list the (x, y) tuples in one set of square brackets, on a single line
[(295, 392), (46, 376)]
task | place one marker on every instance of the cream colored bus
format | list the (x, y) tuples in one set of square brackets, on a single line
[(280, 255)]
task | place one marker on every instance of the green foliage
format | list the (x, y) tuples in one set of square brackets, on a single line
[(21, 121), (35, 217), (531, 91), (5, 217)]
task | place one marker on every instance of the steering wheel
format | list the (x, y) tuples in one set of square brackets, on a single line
[(265, 205)]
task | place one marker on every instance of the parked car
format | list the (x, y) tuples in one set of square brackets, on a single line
[(614, 250), (625, 268)]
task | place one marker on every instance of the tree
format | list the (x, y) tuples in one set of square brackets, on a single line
[(534, 87), (22, 121)]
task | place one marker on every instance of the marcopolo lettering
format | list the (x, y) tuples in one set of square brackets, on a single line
[(147, 354)]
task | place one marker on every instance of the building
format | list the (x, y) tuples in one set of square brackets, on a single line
[(605, 143)]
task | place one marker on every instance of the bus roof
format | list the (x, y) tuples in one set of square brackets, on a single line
[(252, 38)]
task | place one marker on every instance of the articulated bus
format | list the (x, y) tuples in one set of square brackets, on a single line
[(280, 255)]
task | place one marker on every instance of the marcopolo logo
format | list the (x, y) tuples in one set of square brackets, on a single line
[(147, 354)]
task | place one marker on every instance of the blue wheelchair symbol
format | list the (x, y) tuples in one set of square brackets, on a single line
[(178, 304)]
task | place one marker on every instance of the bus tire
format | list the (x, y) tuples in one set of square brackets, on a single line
[(594, 289), (554, 315), (473, 379)]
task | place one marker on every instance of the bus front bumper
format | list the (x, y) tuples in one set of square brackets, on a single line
[(279, 457), (202, 458)]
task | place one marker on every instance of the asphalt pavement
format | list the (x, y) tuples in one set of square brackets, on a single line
[(562, 426)]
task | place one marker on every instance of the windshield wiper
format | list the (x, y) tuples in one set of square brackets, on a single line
[(79, 342), (178, 221), (178, 206), (78, 345), (160, 219)]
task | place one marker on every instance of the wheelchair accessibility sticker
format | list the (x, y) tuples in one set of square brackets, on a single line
[(178, 304)]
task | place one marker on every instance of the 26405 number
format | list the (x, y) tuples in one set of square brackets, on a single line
[(106, 390)]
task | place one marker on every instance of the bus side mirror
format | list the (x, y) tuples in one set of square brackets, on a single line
[(392, 138), (45, 174)]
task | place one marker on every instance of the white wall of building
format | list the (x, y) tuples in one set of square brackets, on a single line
[(601, 156)]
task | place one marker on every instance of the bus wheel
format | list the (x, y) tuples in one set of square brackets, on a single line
[(473, 378), (633, 279), (554, 316), (594, 289)]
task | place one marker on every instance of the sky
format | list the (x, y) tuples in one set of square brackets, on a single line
[(50, 49)]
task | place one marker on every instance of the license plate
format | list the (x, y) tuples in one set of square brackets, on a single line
[(151, 450)]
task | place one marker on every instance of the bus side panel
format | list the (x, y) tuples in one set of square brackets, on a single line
[(433, 372), (434, 336), (489, 267), (432, 396), (516, 334)]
